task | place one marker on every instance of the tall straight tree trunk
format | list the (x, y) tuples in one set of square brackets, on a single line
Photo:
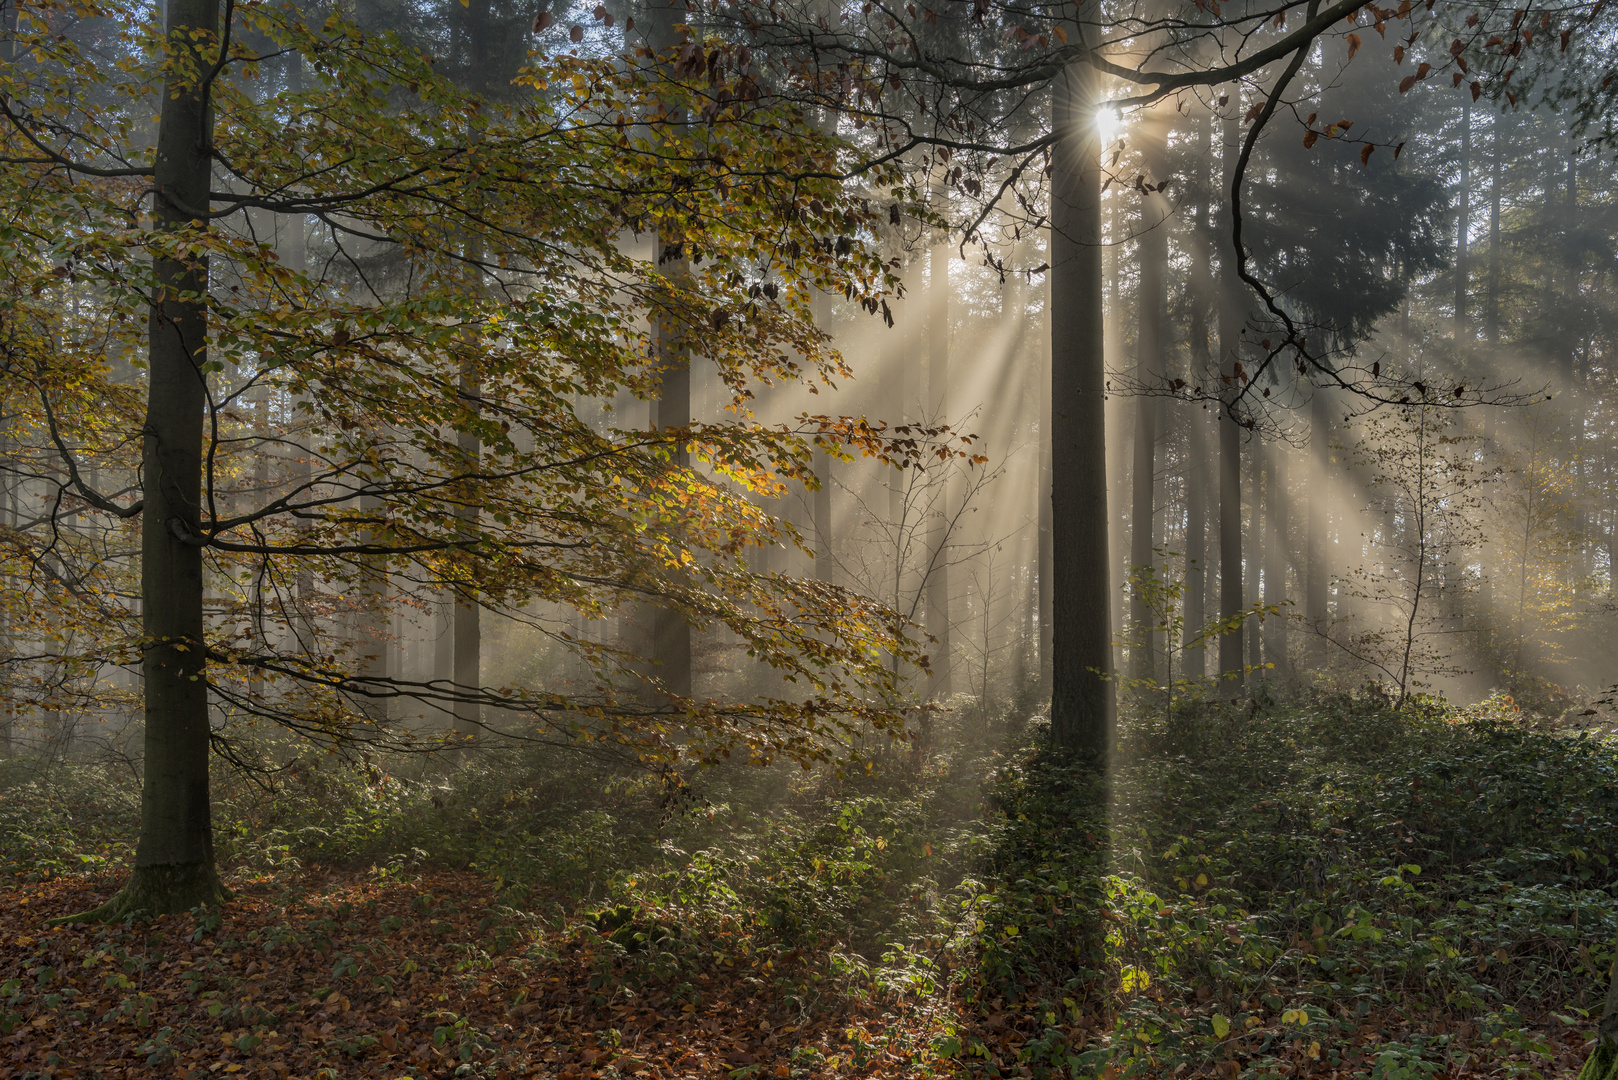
[(1258, 463), (1195, 662), (1151, 305), (1317, 569), (1230, 436), (467, 617), (1277, 551), (174, 860), (670, 633), (938, 401), (1083, 703), (1491, 296), (1463, 220), (1044, 516)]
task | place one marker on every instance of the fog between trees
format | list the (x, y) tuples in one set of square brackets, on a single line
[(681, 381)]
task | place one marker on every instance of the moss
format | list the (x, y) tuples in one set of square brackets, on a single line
[(159, 890), (1602, 1063)]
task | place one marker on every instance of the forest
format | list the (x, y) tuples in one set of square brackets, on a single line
[(807, 540)]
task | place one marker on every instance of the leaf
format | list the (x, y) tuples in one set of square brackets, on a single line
[(1221, 1025), (1353, 45), (1365, 153), (1406, 83)]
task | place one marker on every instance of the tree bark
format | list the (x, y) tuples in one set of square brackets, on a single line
[(1230, 438), (1195, 661), (1463, 219), (1151, 305), (1083, 702), (1277, 552), (174, 859), (1602, 1063), (938, 400), (1316, 565)]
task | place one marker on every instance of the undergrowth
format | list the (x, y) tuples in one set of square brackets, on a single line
[(1256, 889)]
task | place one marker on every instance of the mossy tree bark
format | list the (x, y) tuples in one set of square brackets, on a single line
[(1603, 1061), (174, 861)]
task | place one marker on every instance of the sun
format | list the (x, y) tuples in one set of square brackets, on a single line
[(1107, 124)]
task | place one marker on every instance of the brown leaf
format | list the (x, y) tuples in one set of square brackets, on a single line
[(1365, 153)]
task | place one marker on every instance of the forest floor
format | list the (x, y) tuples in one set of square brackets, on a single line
[(1318, 888), (335, 975)]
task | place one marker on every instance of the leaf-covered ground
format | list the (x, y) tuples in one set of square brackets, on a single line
[(1321, 889), (434, 977)]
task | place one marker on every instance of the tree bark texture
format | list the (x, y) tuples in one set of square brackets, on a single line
[(938, 402), (1083, 699), (174, 860), (1317, 567), (1277, 553), (1197, 478), (1152, 310), (1230, 435), (670, 633)]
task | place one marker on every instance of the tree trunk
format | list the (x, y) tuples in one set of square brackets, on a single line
[(1602, 1063), (1047, 544), (174, 860), (1230, 437), (1277, 552), (671, 634), (1195, 661), (466, 618), (1258, 464), (938, 403), (1083, 702), (1316, 566), (1154, 256), (1463, 220)]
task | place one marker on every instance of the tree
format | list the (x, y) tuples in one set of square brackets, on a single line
[(402, 397), (1422, 464)]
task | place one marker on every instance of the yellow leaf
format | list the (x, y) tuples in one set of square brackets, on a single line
[(1314, 1049)]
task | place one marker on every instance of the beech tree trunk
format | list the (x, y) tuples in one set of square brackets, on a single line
[(670, 633), (1277, 552), (1317, 568), (1083, 701), (938, 400), (1154, 257), (1602, 1063), (1463, 220), (1197, 478), (1230, 436), (174, 859)]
